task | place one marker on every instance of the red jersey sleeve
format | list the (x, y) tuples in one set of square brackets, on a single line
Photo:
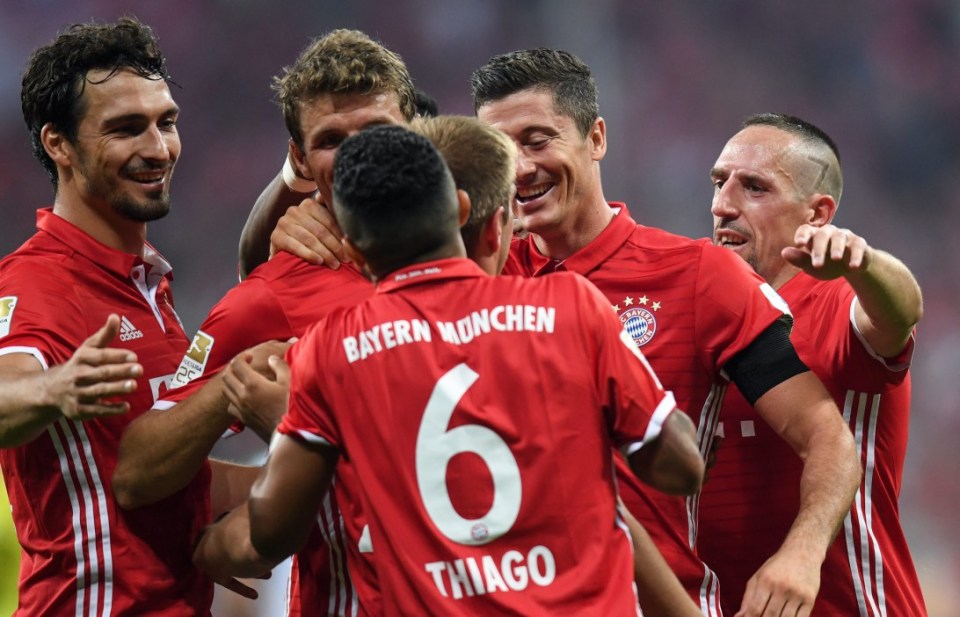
[(27, 325), (309, 415), (734, 305), (248, 315), (633, 400), (854, 360)]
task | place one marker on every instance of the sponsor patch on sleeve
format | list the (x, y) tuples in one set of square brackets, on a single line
[(195, 361), (7, 305)]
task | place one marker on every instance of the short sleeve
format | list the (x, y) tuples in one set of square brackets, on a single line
[(734, 305), (40, 316), (309, 416), (248, 315)]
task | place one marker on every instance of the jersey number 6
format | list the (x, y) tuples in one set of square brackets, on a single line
[(436, 446)]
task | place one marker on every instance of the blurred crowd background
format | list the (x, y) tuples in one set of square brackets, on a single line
[(675, 79)]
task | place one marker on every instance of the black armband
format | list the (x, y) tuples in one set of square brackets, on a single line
[(767, 362)]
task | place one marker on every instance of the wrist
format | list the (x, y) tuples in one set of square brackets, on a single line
[(293, 181)]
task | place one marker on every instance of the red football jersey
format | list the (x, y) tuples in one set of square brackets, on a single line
[(691, 307), (280, 300), (753, 493), (82, 554), (480, 413)]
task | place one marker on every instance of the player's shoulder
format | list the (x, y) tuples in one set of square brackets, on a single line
[(660, 239), (812, 295), (39, 271), (288, 272)]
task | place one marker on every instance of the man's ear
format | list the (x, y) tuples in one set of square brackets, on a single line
[(299, 160), (56, 145), (598, 139), (822, 210), (464, 204), (495, 232)]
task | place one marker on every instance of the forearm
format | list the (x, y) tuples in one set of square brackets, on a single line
[(25, 411), (161, 451), (255, 237), (658, 588), (890, 299), (225, 550), (830, 477)]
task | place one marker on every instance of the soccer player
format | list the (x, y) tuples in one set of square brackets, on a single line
[(777, 185), (436, 365), (340, 84), (104, 126), (701, 317)]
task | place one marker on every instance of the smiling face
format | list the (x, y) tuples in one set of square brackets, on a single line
[(126, 146), (327, 120), (558, 178), (764, 188)]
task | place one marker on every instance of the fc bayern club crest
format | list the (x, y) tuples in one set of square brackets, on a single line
[(639, 324)]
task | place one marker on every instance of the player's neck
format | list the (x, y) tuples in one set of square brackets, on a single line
[(103, 224), (783, 276), (451, 249), (576, 232)]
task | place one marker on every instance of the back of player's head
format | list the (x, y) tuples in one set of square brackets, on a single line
[(831, 181), (560, 72), (56, 74), (425, 104), (482, 160), (394, 196), (342, 62)]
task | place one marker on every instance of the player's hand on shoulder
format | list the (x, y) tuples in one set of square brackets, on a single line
[(827, 252), (86, 386), (786, 584), (310, 232)]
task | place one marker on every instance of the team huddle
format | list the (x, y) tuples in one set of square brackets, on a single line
[(485, 388)]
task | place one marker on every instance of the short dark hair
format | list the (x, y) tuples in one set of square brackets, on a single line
[(559, 72), (393, 196), (832, 182), (56, 75), (342, 62), (426, 105)]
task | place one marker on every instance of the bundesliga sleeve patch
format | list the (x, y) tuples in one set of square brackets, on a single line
[(6, 314), (195, 361)]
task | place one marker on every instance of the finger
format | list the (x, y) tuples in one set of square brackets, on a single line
[(97, 410), (280, 368), (106, 389), (819, 244), (93, 356), (305, 234), (233, 387), (107, 374), (102, 337), (858, 252), (319, 213), (838, 244), (791, 608), (754, 601), (327, 229), (239, 588), (798, 257), (803, 234)]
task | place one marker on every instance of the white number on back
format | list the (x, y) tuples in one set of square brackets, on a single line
[(436, 446)]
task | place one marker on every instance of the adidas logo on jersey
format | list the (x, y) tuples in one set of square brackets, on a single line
[(128, 331)]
